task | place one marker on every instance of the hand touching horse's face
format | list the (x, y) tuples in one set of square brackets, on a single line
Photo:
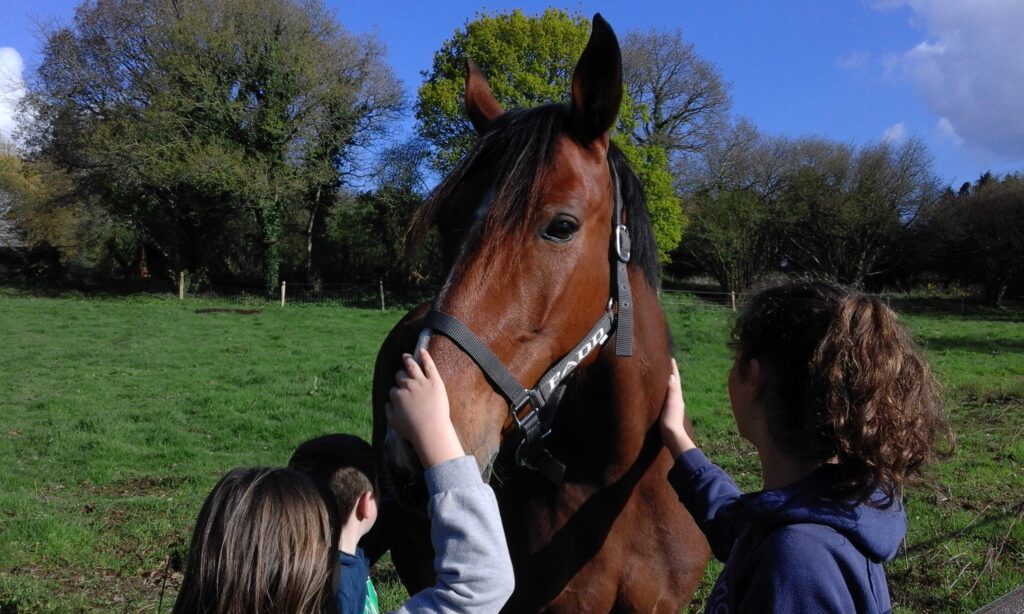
[(533, 271)]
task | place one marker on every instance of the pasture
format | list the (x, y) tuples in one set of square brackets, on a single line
[(117, 415)]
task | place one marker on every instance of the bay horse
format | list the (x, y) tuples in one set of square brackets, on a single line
[(537, 225)]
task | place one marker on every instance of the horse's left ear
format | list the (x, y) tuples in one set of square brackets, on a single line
[(481, 105), (597, 85)]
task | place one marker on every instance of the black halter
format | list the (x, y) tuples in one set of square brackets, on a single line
[(531, 428)]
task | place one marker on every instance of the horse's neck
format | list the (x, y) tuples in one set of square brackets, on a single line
[(619, 399)]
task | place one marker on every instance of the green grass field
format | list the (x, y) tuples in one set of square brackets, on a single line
[(118, 415)]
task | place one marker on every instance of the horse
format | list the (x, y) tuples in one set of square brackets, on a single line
[(550, 259)]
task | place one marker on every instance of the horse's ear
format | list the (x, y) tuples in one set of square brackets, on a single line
[(597, 84), (481, 105)]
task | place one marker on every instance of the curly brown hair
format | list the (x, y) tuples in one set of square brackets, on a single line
[(847, 384)]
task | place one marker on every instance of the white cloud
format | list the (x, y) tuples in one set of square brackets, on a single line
[(895, 134), (970, 69), (947, 131), (855, 60), (12, 88)]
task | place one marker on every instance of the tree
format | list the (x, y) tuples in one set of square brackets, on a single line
[(184, 116), (528, 61), (841, 208), (729, 190), (41, 210), (680, 99), (650, 163), (823, 207), (730, 236), (10, 192), (978, 235)]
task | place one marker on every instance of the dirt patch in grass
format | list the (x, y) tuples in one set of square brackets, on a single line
[(146, 486), (243, 312), (147, 590)]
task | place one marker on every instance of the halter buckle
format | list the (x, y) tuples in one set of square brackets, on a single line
[(532, 397), (622, 243), (528, 428)]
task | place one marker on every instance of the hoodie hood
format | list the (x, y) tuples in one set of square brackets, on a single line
[(875, 531)]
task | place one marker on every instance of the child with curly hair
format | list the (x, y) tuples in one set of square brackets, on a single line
[(843, 410)]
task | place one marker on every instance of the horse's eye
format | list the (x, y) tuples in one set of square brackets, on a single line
[(560, 229)]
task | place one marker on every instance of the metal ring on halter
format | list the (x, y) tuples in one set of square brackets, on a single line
[(622, 247), (532, 397)]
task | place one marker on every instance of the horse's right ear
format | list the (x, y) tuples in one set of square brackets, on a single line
[(481, 105), (597, 84)]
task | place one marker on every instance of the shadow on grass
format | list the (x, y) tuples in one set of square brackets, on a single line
[(981, 345), (957, 309), (978, 530)]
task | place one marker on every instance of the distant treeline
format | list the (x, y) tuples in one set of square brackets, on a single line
[(237, 140)]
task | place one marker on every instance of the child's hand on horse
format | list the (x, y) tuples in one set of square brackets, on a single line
[(672, 421), (418, 411)]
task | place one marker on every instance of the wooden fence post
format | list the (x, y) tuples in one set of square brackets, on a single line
[(181, 285), (382, 295), (282, 293), (732, 296)]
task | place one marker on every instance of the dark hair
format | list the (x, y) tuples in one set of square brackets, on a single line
[(265, 541), (344, 463), (846, 382)]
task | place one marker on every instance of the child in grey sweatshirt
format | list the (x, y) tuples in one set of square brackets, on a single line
[(474, 571)]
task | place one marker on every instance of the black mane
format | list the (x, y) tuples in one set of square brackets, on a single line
[(518, 150)]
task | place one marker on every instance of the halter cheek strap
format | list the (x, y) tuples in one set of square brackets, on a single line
[(623, 249), (542, 400)]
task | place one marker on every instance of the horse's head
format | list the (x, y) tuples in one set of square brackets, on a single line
[(528, 217)]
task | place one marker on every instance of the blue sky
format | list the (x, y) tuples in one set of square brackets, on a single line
[(949, 72)]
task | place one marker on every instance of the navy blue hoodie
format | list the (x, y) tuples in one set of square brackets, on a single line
[(353, 585), (789, 549)]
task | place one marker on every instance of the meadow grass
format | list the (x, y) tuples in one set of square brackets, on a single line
[(118, 415)]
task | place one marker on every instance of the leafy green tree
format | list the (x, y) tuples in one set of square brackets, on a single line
[(40, 209), (665, 208), (730, 236), (185, 115), (528, 61), (13, 188)]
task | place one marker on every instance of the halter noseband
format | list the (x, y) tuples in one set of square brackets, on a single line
[(530, 429)]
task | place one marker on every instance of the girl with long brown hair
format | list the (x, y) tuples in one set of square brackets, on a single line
[(830, 388), (267, 539), (264, 542)]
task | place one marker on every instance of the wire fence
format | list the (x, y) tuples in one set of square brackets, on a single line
[(385, 296), (366, 296), (688, 300), (951, 303)]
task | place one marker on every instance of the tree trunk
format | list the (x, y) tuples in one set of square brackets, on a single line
[(311, 275), (268, 222), (994, 293)]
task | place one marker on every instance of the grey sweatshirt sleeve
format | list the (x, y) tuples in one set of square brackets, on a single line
[(474, 572)]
